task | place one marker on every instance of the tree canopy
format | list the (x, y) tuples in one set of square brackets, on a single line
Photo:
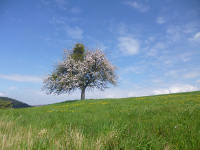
[(78, 52), (81, 69)]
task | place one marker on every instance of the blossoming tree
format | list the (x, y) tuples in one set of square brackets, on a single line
[(92, 71)]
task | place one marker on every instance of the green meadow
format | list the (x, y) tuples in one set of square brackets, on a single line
[(163, 122)]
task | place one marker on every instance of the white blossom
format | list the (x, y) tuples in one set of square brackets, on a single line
[(95, 71)]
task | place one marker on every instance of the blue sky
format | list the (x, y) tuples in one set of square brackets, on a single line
[(154, 44)]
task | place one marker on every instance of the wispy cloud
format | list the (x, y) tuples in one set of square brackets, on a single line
[(75, 10), (191, 75), (174, 33), (128, 45), (185, 57), (196, 37), (183, 32), (176, 89), (170, 59), (160, 20), (74, 32), (61, 4), (172, 73), (156, 48), (21, 78), (63, 25), (2, 94), (138, 6), (183, 73), (12, 88), (133, 69)]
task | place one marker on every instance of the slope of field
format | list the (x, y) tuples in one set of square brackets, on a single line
[(156, 122), (6, 102)]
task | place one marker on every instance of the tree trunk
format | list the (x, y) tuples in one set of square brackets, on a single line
[(83, 93)]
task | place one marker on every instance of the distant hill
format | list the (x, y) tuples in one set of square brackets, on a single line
[(6, 102)]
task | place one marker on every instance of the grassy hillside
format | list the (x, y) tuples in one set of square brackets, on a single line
[(157, 122), (6, 102)]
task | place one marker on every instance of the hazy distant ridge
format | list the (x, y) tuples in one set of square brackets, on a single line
[(6, 102)]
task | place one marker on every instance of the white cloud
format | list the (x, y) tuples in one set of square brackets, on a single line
[(74, 32), (138, 6), (21, 78), (2, 94), (160, 20), (128, 45), (196, 37), (161, 91), (176, 89)]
